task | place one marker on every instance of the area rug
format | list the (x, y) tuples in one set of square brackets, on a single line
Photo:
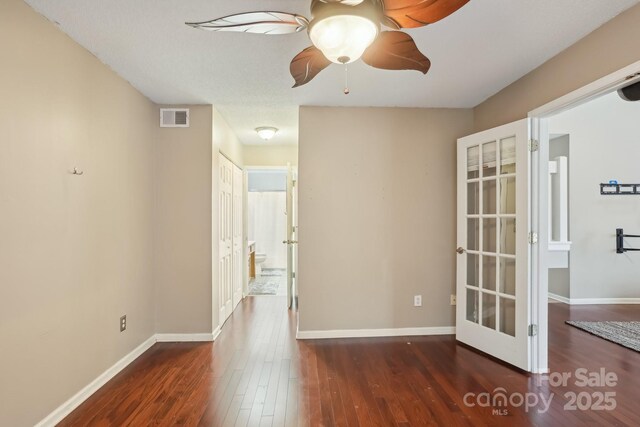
[(262, 286), (626, 334)]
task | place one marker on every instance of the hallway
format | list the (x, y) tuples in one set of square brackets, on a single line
[(256, 373)]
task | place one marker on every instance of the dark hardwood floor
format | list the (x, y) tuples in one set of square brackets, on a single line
[(257, 374)]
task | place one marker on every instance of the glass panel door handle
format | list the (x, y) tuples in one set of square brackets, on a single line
[(460, 250), (290, 242)]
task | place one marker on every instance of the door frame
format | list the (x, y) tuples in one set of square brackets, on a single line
[(539, 171), (247, 169)]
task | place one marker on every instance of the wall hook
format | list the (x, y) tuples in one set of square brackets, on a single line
[(77, 172)]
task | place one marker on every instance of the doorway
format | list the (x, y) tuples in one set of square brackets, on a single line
[(271, 232)]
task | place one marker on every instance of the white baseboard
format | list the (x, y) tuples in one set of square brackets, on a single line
[(587, 301), (372, 333), (559, 298), (67, 407), (593, 301), (76, 400), (204, 337), (216, 333)]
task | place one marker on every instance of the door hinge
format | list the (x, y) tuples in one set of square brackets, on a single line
[(533, 330), (293, 275), (534, 145), (533, 238)]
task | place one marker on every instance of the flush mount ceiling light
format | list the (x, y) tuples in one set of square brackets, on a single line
[(343, 31), (266, 132)]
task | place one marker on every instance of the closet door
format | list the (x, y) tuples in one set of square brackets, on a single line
[(225, 267), (238, 240)]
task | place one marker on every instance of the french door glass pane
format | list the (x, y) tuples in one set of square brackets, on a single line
[(473, 198), (508, 196), (473, 162), (489, 159), (473, 270), (473, 305), (473, 234), (489, 272), (508, 316), (507, 276), (489, 197), (489, 310), (489, 235), (508, 155), (508, 236)]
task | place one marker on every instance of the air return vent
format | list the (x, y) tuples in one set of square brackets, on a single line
[(174, 117)]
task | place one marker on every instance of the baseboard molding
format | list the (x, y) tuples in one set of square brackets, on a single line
[(204, 337), (67, 407), (372, 333), (588, 301), (593, 301), (76, 400), (559, 298)]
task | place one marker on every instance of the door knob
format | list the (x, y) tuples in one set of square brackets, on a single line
[(460, 250)]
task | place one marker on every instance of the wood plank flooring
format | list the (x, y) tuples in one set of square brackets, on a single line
[(257, 374)]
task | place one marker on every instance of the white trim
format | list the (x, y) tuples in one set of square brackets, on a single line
[(67, 407), (623, 77), (77, 399), (559, 298), (591, 301), (186, 337), (372, 333)]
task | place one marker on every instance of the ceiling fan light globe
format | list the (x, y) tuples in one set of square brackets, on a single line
[(343, 38), (266, 133)]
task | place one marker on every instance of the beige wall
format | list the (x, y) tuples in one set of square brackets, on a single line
[(606, 50), (75, 251), (183, 225), (377, 204), (270, 155)]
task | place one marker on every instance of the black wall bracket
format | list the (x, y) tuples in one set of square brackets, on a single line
[(620, 241)]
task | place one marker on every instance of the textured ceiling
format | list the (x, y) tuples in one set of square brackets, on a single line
[(480, 49)]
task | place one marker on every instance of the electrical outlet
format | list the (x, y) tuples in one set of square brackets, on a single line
[(417, 301), (454, 299), (123, 323)]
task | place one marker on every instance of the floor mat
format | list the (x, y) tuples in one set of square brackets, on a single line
[(626, 334)]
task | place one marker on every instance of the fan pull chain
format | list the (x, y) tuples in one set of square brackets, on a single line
[(346, 79)]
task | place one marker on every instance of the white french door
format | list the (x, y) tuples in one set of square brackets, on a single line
[(237, 237), (493, 279), (225, 268)]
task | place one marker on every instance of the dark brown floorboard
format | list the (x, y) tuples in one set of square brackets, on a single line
[(257, 374)]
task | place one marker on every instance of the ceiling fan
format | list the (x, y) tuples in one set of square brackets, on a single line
[(343, 31)]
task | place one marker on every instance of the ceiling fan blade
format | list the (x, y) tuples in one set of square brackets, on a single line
[(418, 13), (256, 22), (395, 50), (307, 64)]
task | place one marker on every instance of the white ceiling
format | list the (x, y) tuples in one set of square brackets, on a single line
[(475, 52)]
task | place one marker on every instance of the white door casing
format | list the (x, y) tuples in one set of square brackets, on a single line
[(291, 235), (494, 256)]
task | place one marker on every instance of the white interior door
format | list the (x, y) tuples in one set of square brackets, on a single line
[(238, 240), (291, 232), (225, 268), (493, 285)]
